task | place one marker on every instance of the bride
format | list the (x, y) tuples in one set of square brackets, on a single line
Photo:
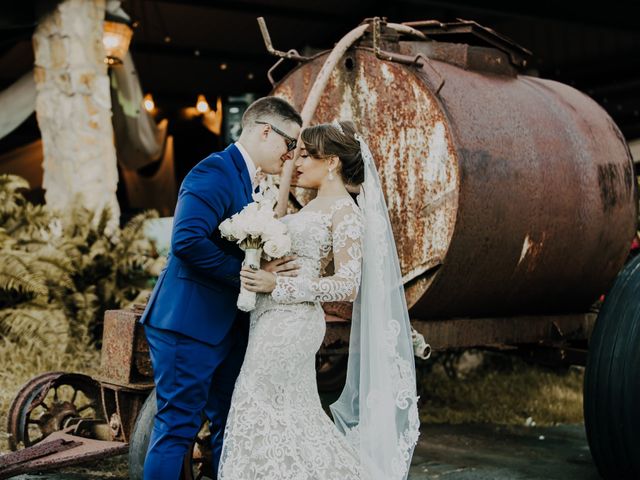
[(276, 428)]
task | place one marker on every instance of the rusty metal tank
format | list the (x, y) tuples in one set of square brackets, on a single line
[(508, 193)]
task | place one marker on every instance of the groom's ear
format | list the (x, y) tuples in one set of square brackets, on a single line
[(264, 131)]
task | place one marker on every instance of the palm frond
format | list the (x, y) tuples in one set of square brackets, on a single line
[(17, 275), (35, 325), (11, 183), (54, 266), (105, 216), (134, 229), (59, 271)]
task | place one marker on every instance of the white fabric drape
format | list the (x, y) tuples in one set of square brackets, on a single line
[(17, 102), (139, 140), (157, 191)]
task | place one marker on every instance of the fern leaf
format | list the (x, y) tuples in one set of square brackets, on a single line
[(15, 274)]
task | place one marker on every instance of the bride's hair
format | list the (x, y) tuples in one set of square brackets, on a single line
[(328, 139)]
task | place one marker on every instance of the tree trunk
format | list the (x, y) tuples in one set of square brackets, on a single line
[(73, 108)]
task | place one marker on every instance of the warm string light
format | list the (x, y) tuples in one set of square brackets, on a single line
[(149, 104), (212, 118), (201, 105)]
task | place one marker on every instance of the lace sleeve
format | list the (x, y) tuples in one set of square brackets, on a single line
[(346, 230)]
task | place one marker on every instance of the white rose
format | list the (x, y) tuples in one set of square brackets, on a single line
[(269, 201), (257, 197), (278, 246), (226, 229), (255, 225), (238, 233), (266, 211), (275, 229), (250, 209), (232, 228)]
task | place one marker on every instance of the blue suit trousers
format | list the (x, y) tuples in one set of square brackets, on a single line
[(192, 378)]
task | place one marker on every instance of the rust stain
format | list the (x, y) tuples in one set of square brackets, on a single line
[(474, 174), (125, 352), (410, 142)]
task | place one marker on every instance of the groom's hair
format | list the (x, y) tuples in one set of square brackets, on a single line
[(266, 108)]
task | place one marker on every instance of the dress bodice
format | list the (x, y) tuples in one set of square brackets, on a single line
[(327, 231), (310, 233)]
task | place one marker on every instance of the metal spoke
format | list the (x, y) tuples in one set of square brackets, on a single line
[(84, 407), (75, 394)]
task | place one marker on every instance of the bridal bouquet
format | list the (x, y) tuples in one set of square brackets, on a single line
[(259, 233)]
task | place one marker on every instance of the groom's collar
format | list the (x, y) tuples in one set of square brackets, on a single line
[(251, 166), (239, 162)]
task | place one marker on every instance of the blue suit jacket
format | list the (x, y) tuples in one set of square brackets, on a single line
[(197, 291)]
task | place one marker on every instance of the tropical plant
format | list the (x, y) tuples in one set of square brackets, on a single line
[(59, 274)]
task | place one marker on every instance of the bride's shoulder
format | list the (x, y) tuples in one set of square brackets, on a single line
[(344, 204), (346, 210)]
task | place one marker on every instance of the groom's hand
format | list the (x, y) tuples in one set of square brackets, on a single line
[(285, 266)]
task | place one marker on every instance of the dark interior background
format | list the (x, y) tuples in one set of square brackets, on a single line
[(185, 48)]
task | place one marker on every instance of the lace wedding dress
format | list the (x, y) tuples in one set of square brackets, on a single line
[(276, 428)]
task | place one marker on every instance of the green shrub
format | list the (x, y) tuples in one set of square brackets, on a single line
[(57, 277)]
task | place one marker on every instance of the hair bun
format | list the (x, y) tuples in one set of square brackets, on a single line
[(337, 138)]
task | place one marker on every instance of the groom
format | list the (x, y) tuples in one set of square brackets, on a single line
[(197, 337)]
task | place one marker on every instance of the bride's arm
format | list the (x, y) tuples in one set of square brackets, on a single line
[(343, 285)]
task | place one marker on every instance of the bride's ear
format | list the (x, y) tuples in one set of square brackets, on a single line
[(333, 162)]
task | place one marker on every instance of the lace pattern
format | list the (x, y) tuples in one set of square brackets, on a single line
[(276, 428), (340, 235)]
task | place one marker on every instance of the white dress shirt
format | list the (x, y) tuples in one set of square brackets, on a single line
[(251, 167)]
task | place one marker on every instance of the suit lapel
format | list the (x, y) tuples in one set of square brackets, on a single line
[(241, 166)]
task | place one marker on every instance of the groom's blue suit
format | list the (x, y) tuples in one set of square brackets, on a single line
[(196, 335)]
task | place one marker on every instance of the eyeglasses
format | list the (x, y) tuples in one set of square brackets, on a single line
[(291, 142)]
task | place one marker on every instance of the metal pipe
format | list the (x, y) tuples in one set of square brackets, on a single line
[(405, 59), (291, 54), (408, 30), (310, 105)]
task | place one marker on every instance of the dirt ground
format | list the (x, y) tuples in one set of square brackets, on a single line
[(452, 452), (484, 415)]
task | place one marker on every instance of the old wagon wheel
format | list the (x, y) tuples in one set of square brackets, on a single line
[(611, 387), (197, 461), (47, 403)]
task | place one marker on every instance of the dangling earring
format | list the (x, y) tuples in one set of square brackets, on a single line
[(330, 174)]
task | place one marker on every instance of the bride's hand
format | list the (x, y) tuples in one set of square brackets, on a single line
[(285, 266), (259, 281)]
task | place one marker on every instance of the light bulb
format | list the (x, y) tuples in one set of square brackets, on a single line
[(201, 105), (149, 104)]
